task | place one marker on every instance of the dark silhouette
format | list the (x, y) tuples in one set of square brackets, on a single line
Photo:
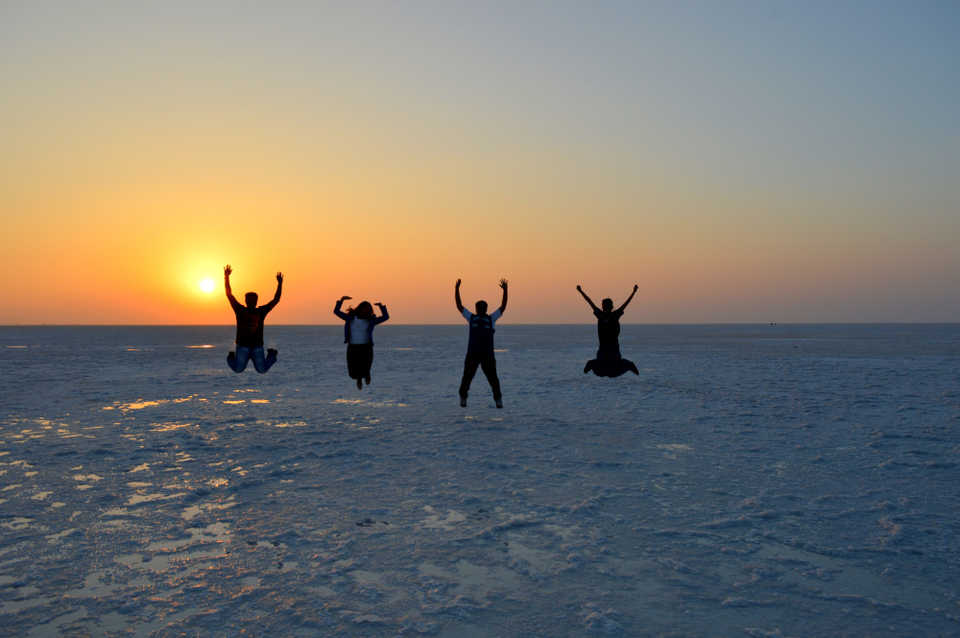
[(358, 328), (609, 362), (250, 328), (480, 345)]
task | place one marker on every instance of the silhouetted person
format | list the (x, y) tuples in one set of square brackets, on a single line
[(250, 328), (358, 328), (609, 362), (480, 345)]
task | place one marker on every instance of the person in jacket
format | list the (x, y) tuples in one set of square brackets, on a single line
[(358, 328)]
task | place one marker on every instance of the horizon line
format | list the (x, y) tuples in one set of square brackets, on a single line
[(654, 323)]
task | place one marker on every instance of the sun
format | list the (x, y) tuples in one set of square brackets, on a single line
[(207, 285)]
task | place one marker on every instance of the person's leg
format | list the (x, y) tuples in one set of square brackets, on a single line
[(260, 363), (631, 366), (352, 360), (354, 364), (238, 360), (489, 366), (367, 361), (470, 364)]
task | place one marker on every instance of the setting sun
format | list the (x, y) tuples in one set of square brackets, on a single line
[(207, 285)]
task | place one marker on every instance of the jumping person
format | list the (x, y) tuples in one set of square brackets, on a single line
[(480, 345), (250, 328), (609, 362), (358, 328)]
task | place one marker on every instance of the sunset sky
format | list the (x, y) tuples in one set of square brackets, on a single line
[(739, 161)]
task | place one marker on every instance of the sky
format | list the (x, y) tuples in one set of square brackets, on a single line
[(738, 161)]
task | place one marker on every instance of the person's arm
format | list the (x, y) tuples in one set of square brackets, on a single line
[(589, 300), (226, 284), (629, 299), (456, 297), (384, 315), (276, 296), (503, 304), (336, 308)]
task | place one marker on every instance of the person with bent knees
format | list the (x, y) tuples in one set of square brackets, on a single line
[(250, 328)]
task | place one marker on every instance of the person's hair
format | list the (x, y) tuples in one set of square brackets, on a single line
[(363, 310), (251, 298), (481, 307), (607, 304)]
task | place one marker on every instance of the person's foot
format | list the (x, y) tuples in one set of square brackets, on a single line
[(463, 402), (587, 367), (499, 403), (359, 384), (272, 352), (366, 379)]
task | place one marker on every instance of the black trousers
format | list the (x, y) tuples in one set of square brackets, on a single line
[(488, 364), (359, 360)]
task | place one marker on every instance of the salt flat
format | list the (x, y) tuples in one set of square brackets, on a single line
[(752, 481)]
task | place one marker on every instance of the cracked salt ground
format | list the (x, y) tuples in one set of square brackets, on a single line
[(740, 486)]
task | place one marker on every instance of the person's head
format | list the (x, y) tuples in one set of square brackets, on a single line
[(481, 307), (363, 310), (251, 299), (607, 304)]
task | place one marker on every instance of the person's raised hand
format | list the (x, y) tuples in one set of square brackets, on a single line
[(279, 277), (636, 287), (503, 284), (227, 270), (345, 297), (458, 282), (579, 289)]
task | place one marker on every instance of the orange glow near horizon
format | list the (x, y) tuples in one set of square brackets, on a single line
[(384, 154)]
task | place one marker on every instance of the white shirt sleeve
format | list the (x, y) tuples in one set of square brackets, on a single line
[(467, 314), (496, 314)]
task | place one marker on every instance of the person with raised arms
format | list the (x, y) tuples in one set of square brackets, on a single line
[(250, 328), (609, 362), (480, 344), (358, 328)]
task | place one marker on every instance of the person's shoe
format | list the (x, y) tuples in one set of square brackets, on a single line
[(272, 352), (463, 402), (366, 379), (359, 384), (499, 403), (587, 367)]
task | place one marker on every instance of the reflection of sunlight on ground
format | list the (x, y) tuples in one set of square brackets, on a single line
[(170, 427), (284, 424), (140, 403)]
